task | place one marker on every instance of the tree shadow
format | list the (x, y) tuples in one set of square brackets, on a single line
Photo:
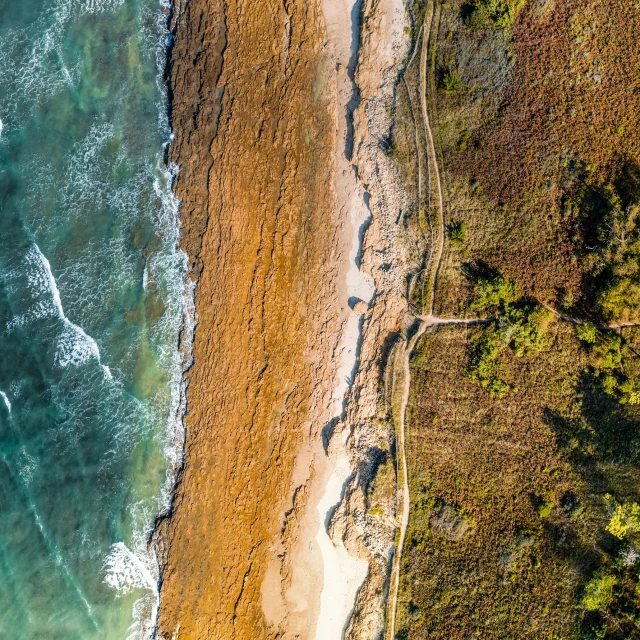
[(606, 434), (478, 269)]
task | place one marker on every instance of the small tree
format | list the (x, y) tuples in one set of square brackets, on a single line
[(492, 293), (625, 520), (587, 333), (451, 80), (598, 593)]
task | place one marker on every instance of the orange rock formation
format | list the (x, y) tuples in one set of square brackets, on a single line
[(254, 126)]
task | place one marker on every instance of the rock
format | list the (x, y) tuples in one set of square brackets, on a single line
[(450, 523), (360, 307), (254, 140)]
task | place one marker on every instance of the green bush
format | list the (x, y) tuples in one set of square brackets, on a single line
[(620, 298), (598, 593), (526, 329), (465, 136), (458, 233), (625, 520), (500, 14), (486, 348), (478, 17), (615, 262), (494, 293), (451, 81), (608, 366), (520, 329), (587, 333)]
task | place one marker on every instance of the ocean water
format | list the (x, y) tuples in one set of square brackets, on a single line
[(92, 304)]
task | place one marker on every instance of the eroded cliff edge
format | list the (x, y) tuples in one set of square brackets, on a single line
[(254, 139), (280, 111)]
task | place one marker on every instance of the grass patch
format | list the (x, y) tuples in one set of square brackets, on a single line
[(451, 81)]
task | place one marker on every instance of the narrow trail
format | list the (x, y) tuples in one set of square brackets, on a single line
[(432, 165), (424, 322), (403, 353)]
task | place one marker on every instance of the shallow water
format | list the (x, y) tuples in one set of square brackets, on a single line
[(91, 303)]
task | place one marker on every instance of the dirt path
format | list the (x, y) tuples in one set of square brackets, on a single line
[(432, 168), (403, 354)]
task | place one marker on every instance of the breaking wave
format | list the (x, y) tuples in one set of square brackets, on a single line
[(74, 346)]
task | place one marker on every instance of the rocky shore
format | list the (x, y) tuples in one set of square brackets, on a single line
[(277, 139)]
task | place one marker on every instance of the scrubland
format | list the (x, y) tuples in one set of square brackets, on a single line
[(522, 432)]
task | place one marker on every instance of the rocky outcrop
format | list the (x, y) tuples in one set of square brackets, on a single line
[(252, 115), (276, 172)]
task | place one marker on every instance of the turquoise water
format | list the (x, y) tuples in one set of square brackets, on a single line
[(91, 306)]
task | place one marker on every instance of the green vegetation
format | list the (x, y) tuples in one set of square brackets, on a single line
[(547, 553), (616, 373), (494, 293), (615, 262), (463, 141), (451, 80), (499, 14), (458, 233), (613, 590), (519, 328), (625, 520), (527, 435), (598, 593)]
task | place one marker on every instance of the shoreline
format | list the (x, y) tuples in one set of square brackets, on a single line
[(307, 569), (249, 393)]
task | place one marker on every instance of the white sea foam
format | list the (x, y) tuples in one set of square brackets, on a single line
[(41, 277), (74, 346), (42, 71), (126, 571), (6, 401), (27, 466), (1, 127), (99, 6)]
